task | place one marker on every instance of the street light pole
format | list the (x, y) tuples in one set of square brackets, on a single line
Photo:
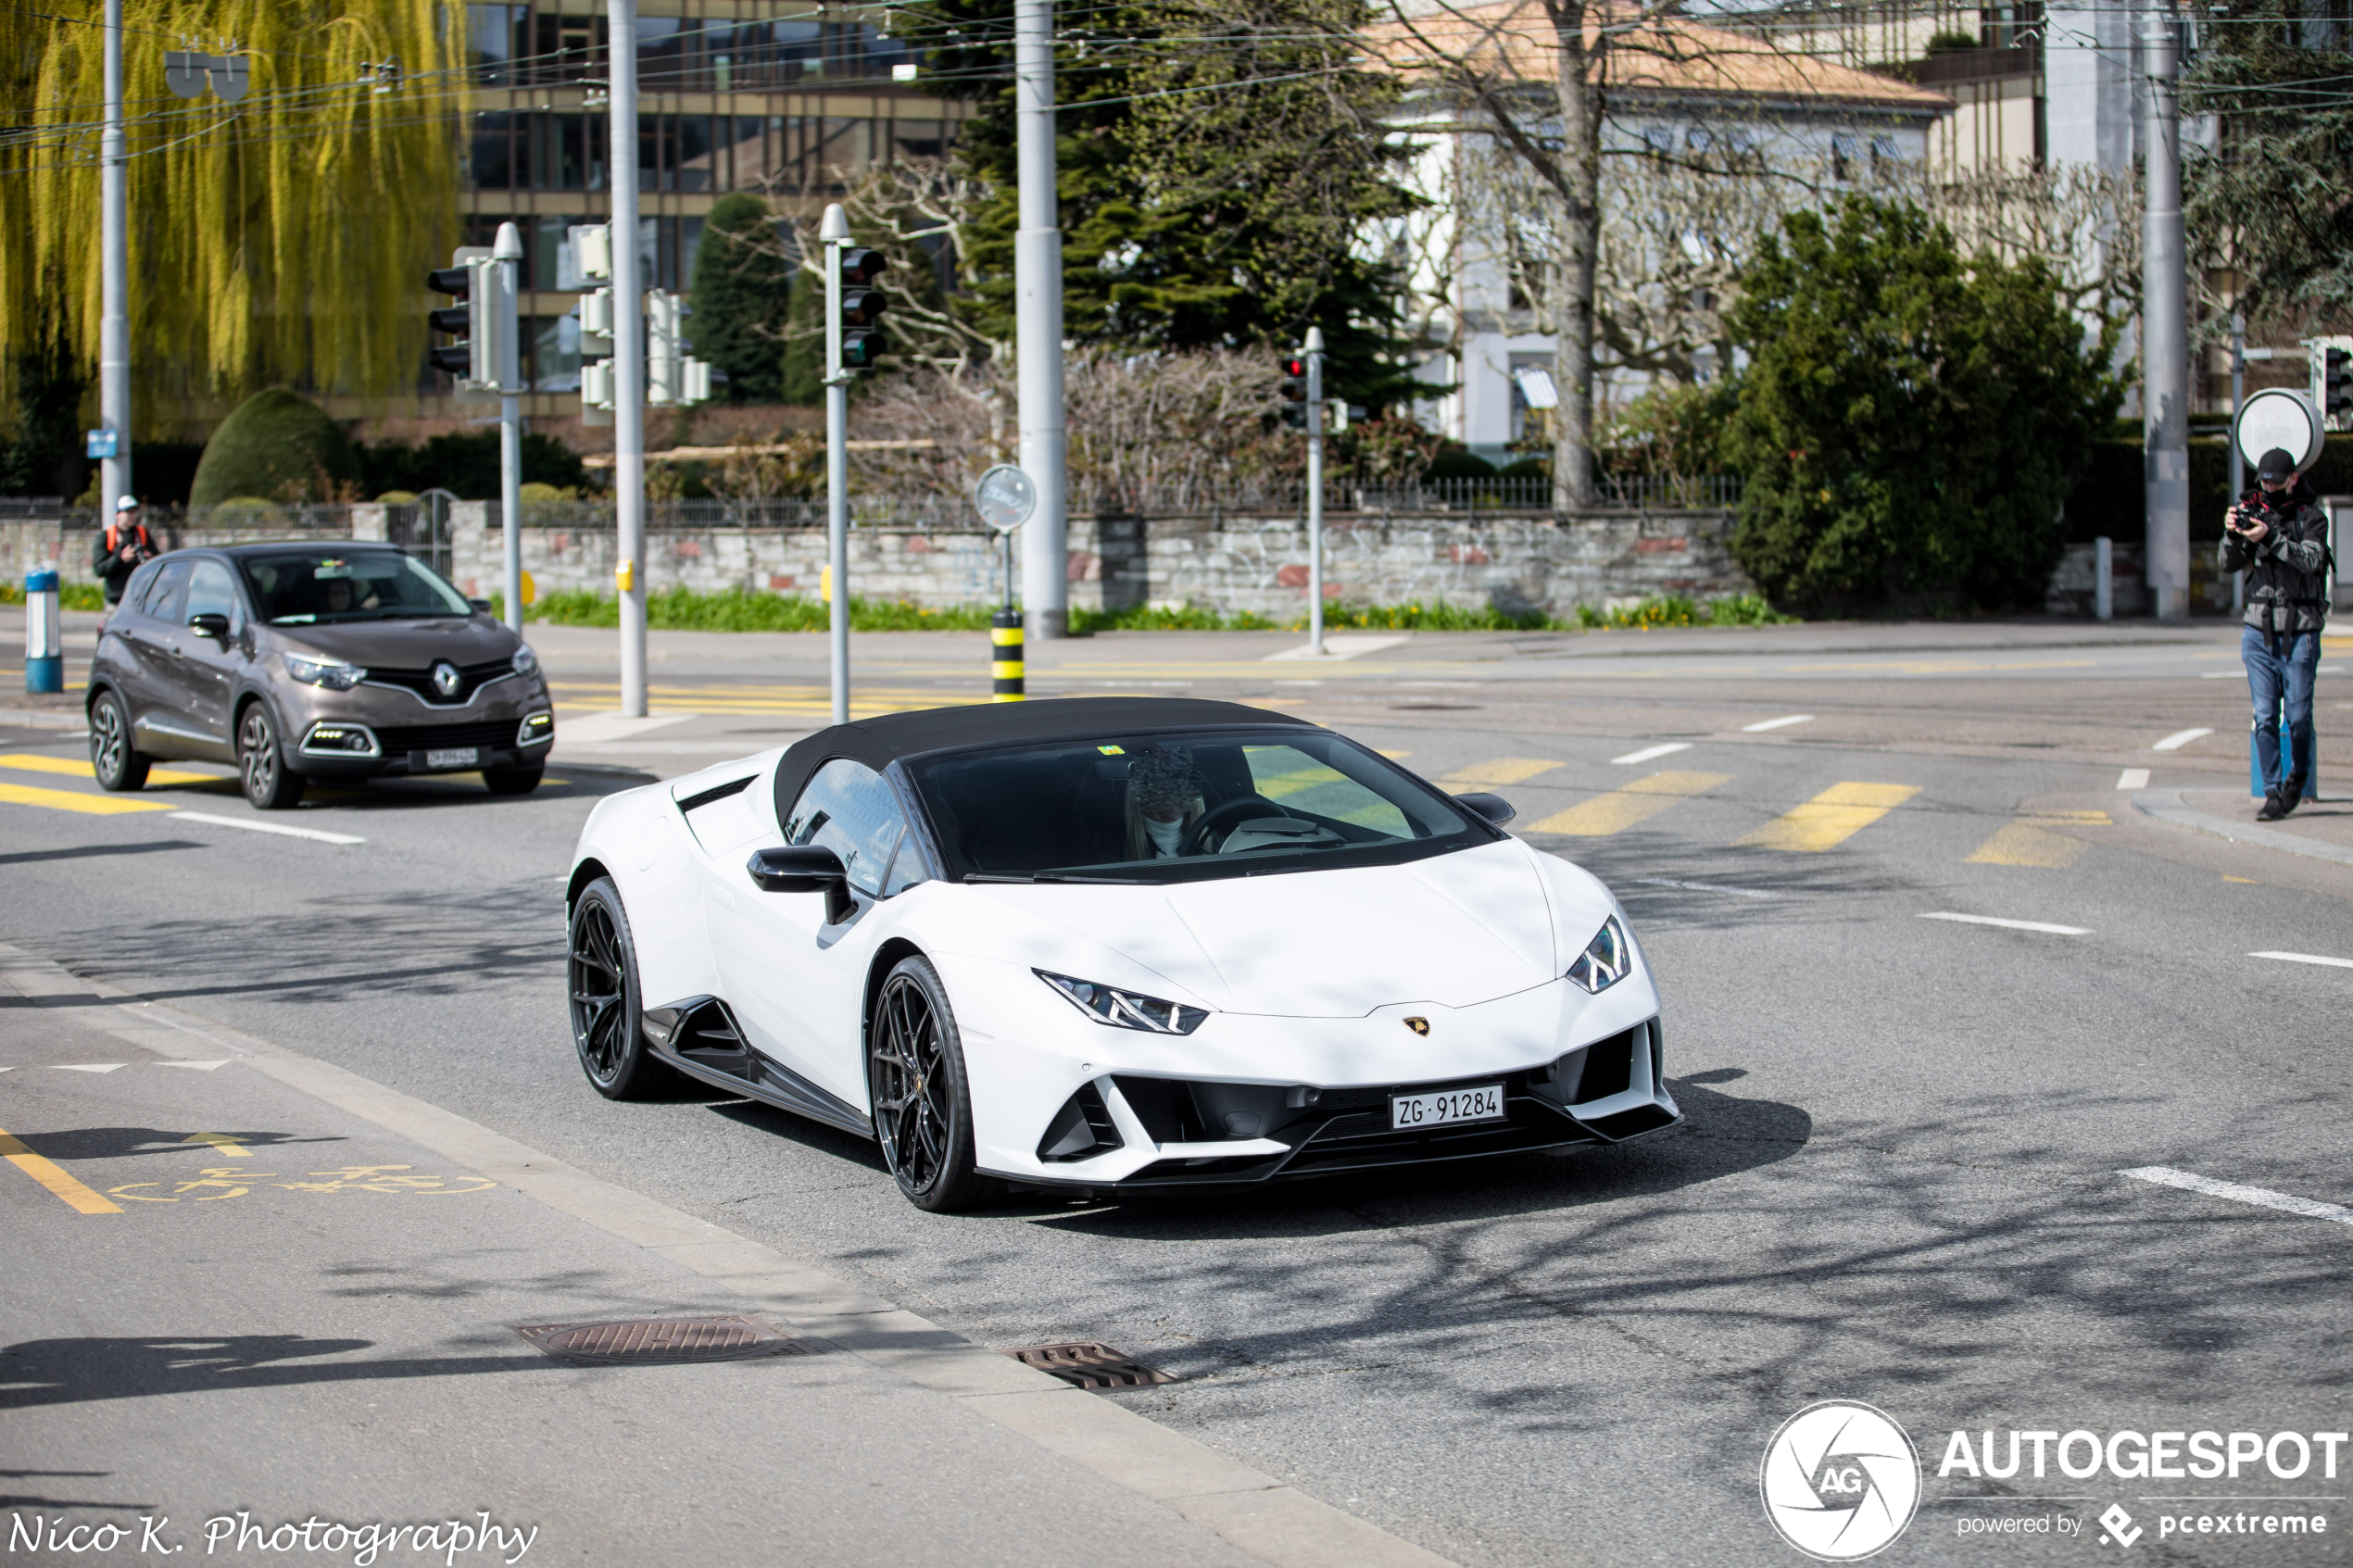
[(628, 357), (833, 236), (2238, 471), (1313, 354), (114, 319), (1037, 314), (2165, 326)]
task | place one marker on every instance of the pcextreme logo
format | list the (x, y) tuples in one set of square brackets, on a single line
[(1840, 1480)]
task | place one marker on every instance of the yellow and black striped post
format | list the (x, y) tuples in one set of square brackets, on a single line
[(1004, 656)]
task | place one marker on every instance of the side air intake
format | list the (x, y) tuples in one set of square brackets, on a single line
[(1080, 1130)]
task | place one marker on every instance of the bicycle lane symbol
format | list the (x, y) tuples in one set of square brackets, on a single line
[(217, 1183)]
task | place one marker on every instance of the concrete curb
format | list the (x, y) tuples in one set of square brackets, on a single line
[(2167, 806), (1251, 1509)]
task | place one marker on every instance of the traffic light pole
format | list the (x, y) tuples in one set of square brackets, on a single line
[(833, 235), (2238, 465), (507, 253), (1314, 355), (1038, 317), (114, 318), (2165, 326), (628, 359)]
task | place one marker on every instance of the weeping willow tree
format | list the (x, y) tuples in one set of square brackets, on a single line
[(280, 239)]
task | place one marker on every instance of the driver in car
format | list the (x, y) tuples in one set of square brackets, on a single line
[(1164, 799)]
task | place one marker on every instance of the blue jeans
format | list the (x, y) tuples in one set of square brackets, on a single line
[(2272, 680)]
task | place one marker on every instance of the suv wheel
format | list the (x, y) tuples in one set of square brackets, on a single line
[(262, 763), (112, 757)]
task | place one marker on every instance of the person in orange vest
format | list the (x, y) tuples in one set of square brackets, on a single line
[(119, 549)]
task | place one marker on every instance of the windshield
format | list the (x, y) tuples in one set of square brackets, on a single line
[(1182, 809), (309, 584)]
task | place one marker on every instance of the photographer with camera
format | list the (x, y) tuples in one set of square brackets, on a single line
[(2278, 536)]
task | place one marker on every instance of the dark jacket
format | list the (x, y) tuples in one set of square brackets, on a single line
[(2286, 588), (106, 556)]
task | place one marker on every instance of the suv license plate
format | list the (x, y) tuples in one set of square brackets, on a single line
[(1482, 1102), (461, 757)]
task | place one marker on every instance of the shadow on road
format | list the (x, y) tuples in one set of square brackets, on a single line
[(120, 1143), (64, 1371)]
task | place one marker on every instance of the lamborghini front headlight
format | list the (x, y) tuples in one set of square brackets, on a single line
[(1605, 958)]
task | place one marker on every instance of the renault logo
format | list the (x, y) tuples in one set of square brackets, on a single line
[(445, 678), (1418, 1025)]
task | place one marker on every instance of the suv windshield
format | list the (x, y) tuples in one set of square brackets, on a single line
[(1183, 808), (300, 585)]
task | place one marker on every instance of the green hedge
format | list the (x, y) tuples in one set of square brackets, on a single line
[(690, 610)]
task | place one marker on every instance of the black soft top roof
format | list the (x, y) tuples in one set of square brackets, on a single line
[(880, 740)]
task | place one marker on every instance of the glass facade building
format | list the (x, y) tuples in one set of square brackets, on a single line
[(780, 99)]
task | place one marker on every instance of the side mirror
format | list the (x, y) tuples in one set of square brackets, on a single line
[(210, 625), (482, 605), (806, 868), (1491, 808)]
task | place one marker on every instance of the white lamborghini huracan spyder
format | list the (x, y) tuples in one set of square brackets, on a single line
[(1109, 943)]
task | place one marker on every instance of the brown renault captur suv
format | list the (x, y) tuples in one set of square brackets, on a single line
[(334, 661)]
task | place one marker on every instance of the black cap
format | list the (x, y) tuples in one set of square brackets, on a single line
[(2275, 465)]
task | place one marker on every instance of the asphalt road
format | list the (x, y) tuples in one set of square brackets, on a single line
[(1899, 1184)]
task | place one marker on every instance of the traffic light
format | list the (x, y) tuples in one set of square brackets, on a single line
[(1294, 390), (456, 321), (671, 378), (861, 307), (483, 322), (2334, 369)]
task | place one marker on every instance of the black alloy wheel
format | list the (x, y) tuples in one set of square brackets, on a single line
[(270, 783), (922, 1103), (119, 765), (607, 1012), (512, 781)]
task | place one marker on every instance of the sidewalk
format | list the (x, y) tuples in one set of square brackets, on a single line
[(251, 1287)]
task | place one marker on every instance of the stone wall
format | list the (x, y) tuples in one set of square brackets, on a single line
[(1226, 563)]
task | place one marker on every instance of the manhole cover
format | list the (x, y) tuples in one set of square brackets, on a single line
[(1089, 1365), (660, 1340)]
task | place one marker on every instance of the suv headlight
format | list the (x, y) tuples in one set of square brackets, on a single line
[(1125, 1010), (331, 673), (525, 660), (1605, 958)]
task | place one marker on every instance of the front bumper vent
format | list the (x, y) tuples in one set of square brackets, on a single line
[(1080, 1130)]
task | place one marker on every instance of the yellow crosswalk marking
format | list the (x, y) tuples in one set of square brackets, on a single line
[(1621, 809), (52, 1176), (1831, 818), (80, 767), (2023, 844), (2029, 842), (1497, 771), (66, 800)]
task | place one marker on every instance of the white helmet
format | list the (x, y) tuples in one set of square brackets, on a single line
[(128, 504)]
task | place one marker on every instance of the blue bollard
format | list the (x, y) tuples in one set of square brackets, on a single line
[(44, 658)]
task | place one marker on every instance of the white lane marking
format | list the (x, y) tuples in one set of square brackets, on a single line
[(1703, 886), (2009, 924), (89, 1066), (2132, 778), (2178, 739), (1650, 751), (2305, 958), (2262, 1198), (1763, 725), (321, 835), (199, 1066)]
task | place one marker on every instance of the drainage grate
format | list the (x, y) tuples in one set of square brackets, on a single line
[(642, 1340), (1089, 1365)]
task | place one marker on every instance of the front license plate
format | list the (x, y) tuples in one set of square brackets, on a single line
[(1482, 1102), (460, 756)]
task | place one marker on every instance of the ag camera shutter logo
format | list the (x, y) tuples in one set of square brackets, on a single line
[(1840, 1481)]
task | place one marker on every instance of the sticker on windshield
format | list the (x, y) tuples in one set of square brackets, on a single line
[(1113, 750), (333, 568)]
